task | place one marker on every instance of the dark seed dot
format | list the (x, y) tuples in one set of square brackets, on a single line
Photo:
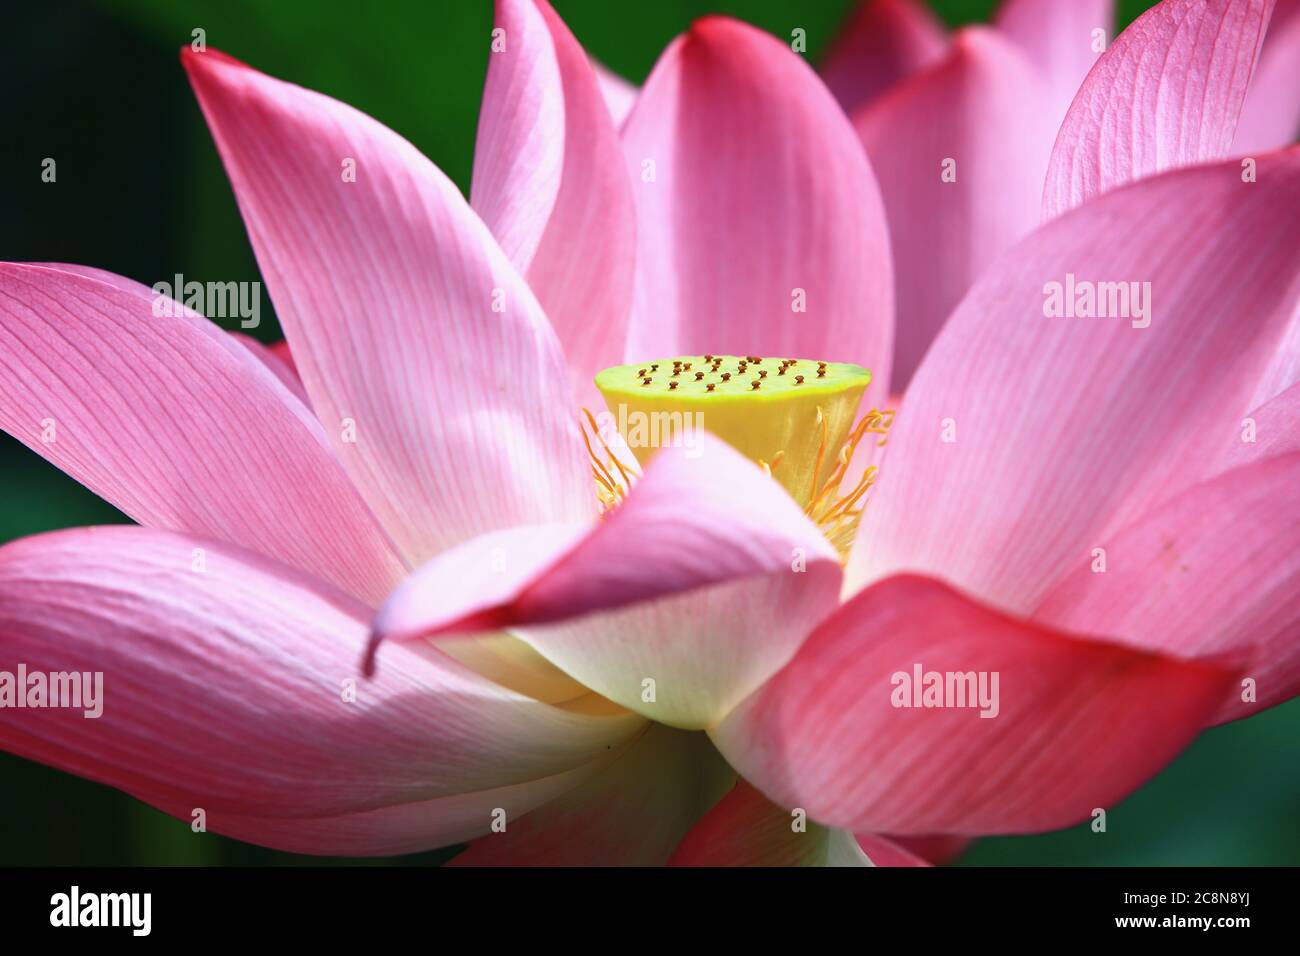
[(726, 376), (698, 376), (755, 383), (798, 379), (672, 386), (763, 374), (709, 387)]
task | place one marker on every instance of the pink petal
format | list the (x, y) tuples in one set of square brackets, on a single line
[(619, 95), (982, 109), (632, 814), (1215, 571), (402, 828), (702, 528), (1064, 427), (1270, 430), (272, 358), (551, 183), (883, 851), (177, 424), (1079, 723), (1059, 39), (451, 418), (226, 687), (747, 829), (754, 199), (1166, 93), (1270, 116), (882, 43)]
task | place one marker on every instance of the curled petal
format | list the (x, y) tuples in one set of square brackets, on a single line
[(1046, 727)]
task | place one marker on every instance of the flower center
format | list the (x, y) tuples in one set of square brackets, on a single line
[(794, 417)]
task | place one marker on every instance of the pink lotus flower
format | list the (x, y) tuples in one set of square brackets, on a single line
[(1070, 504)]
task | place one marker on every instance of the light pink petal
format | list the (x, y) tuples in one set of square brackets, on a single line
[(551, 183), (1215, 571), (1078, 723), (1061, 40), (618, 93), (882, 43), (960, 151), (755, 201), (399, 829), (702, 528), (1166, 93), (1270, 116), (453, 419), (230, 684), (177, 424), (747, 829), (1026, 436), (632, 814)]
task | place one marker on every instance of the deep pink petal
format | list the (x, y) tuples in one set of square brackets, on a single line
[(1270, 117), (453, 419), (755, 200), (882, 851), (1060, 40), (1079, 723), (230, 684), (551, 183), (747, 829), (177, 424), (632, 814), (960, 151), (702, 529), (1166, 93), (1026, 437), (1215, 571), (882, 43)]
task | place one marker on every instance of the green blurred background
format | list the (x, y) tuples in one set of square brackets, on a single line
[(140, 191)]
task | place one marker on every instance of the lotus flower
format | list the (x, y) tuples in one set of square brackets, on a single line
[(690, 657)]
